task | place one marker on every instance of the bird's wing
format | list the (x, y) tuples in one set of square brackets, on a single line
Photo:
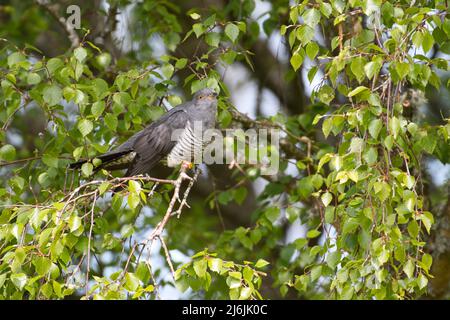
[(145, 148), (156, 141)]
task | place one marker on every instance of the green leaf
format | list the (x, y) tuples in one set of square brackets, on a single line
[(33, 78), (402, 69), (229, 56), (326, 198), (292, 213), (132, 282), (52, 95), (371, 156), (272, 214), (427, 41), (80, 54), (195, 16), (103, 59), (408, 268), (111, 121), (85, 126), (357, 68), (215, 264), (19, 280), (54, 64), (296, 61), (245, 293), (2, 279), (356, 145), (232, 31), (427, 219), (316, 272), (181, 63), (167, 70), (200, 267), (7, 152), (14, 58), (326, 9), (311, 17), (198, 29), (427, 261), (261, 263), (323, 160), (305, 187), (311, 50), (312, 234), (247, 273), (389, 142), (329, 214), (225, 118), (422, 281), (350, 225), (126, 231), (98, 108), (133, 200), (87, 169), (134, 186), (326, 94), (50, 160), (333, 259), (42, 265), (372, 68), (394, 124), (212, 39), (240, 194), (409, 181), (357, 90), (305, 34), (375, 128)]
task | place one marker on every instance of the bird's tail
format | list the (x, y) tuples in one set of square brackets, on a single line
[(108, 160), (78, 164)]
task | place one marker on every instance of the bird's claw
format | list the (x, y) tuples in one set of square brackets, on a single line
[(186, 165), (185, 176)]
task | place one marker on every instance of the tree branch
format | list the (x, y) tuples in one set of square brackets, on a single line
[(290, 149), (70, 30)]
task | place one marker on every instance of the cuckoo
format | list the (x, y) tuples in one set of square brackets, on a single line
[(177, 135)]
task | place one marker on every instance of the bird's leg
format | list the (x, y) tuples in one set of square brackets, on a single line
[(185, 165)]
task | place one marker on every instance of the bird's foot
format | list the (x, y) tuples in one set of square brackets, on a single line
[(185, 176), (186, 165)]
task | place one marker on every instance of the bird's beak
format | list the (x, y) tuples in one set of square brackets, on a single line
[(215, 94)]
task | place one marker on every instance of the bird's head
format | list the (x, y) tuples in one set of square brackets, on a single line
[(205, 95)]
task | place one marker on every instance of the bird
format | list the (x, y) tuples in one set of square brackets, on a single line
[(173, 135)]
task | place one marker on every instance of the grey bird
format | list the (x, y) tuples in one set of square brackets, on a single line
[(175, 135)]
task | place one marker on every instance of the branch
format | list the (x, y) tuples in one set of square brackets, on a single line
[(70, 31), (287, 146), (157, 232)]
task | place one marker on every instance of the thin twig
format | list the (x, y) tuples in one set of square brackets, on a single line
[(89, 243), (168, 258)]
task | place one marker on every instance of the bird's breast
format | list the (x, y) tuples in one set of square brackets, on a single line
[(188, 146)]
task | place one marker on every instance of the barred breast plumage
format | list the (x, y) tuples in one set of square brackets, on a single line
[(189, 147)]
